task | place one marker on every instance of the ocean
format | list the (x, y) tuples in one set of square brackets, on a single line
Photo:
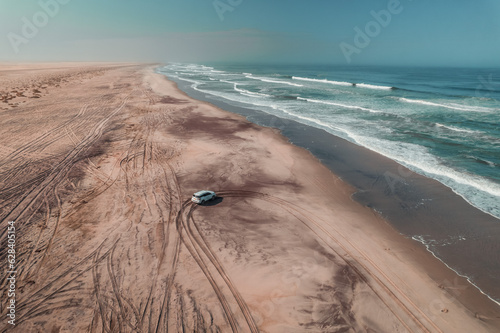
[(442, 123)]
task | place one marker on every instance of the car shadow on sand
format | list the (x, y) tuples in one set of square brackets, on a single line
[(214, 202)]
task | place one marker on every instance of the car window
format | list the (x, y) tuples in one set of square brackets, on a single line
[(201, 195)]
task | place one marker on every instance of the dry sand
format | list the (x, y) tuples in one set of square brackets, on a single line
[(97, 166)]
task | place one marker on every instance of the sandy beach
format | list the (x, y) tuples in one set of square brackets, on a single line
[(98, 163)]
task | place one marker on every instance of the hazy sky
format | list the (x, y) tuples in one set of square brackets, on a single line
[(358, 32)]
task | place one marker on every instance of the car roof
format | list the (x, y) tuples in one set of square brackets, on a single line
[(200, 193)]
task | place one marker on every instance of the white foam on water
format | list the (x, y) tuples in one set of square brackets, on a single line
[(456, 129), (338, 104), (227, 96), (250, 76), (372, 86), (490, 163), (427, 244), (184, 79), (251, 100), (200, 66), (476, 190), (247, 92), (300, 118), (338, 83), (448, 106), (342, 83), (475, 108), (310, 120)]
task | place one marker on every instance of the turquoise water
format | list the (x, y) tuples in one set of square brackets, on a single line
[(441, 123)]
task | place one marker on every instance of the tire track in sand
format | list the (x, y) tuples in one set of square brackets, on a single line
[(200, 252), (302, 214)]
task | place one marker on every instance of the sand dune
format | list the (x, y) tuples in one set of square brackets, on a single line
[(98, 164)]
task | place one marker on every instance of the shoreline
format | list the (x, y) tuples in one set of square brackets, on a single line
[(402, 207), (108, 237), (439, 271)]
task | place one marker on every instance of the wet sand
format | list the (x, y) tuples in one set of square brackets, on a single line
[(465, 238), (97, 173)]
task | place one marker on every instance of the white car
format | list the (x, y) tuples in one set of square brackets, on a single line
[(203, 196)]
